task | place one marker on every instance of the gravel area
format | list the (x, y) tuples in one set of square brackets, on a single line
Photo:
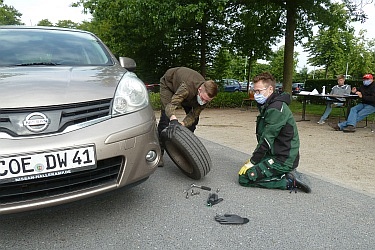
[(345, 159)]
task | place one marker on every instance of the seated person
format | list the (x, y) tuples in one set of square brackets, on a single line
[(339, 89), (359, 112)]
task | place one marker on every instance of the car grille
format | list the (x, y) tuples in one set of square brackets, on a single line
[(66, 115), (106, 172)]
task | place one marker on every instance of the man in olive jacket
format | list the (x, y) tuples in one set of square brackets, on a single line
[(186, 88), (277, 151)]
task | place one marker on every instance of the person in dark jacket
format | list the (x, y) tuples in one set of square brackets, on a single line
[(359, 112), (186, 88), (277, 152)]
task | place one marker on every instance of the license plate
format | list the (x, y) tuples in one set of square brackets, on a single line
[(34, 166)]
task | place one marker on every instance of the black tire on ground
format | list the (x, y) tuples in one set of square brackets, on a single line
[(188, 153)]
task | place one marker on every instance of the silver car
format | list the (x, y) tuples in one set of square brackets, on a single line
[(74, 123)]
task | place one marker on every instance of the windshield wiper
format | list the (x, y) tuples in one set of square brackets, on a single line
[(38, 63)]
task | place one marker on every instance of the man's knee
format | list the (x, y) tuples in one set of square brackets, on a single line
[(259, 172), (264, 169)]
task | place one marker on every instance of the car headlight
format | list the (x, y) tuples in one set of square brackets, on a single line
[(131, 95)]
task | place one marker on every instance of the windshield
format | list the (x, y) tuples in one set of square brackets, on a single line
[(30, 47)]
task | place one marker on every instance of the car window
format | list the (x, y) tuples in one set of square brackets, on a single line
[(21, 47)]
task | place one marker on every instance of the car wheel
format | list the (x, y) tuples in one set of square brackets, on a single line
[(187, 152)]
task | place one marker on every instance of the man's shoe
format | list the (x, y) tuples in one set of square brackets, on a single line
[(349, 129), (321, 122), (293, 184), (335, 126)]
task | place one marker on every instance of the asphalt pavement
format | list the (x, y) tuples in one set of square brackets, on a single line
[(157, 215)]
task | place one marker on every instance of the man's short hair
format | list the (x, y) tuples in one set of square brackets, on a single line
[(211, 88), (267, 78), (340, 77)]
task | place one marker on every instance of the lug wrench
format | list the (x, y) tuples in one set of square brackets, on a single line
[(201, 187), (196, 186)]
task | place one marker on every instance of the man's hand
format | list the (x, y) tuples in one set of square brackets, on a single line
[(171, 130), (245, 167)]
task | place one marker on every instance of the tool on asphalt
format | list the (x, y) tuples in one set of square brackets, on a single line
[(213, 199), (196, 186), (194, 193), (201, 187), (231, 219)]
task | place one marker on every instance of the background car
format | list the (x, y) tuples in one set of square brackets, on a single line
[(298, 87), (74, 121), (279, 87), (231, 85), (245, 86)]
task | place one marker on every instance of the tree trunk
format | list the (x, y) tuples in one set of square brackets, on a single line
[(203, 47), (289, 45)]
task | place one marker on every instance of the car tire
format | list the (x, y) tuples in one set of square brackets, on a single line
[(187, 152)]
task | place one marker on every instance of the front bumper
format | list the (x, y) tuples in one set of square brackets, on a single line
[(121, 144)]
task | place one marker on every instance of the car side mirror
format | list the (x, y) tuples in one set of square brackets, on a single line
[(128, 63)]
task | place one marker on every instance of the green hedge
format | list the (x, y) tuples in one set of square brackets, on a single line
[(222, 100)]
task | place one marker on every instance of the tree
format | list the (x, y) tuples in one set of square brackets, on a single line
[(297, 18), (160, 33), (221, 65), (361, 59), (45, 22), (331, 46), (9, 15), (277, 64), (302, 75), (256, 29), (67, 24)]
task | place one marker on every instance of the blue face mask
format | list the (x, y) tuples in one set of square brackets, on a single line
[(366, 82), (259, 98)]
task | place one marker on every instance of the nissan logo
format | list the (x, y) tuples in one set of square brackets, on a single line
[(36, 122)]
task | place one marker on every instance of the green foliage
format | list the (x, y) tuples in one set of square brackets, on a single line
[(331, 48), (221, 67), (160, 34), (256, 28), (228, 100), (67, 24), (222, 100), (155, 100), (337, 49), (9, 15), (45, 22), (222, 38), (361, 59)]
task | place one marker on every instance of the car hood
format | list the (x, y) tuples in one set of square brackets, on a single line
[(45, 86)]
